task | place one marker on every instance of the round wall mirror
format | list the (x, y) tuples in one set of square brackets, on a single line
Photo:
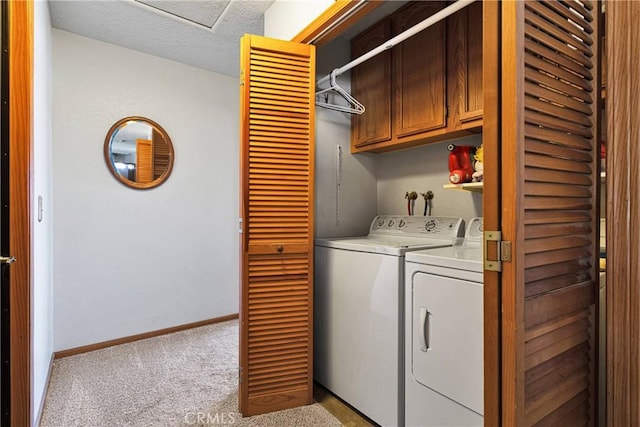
[(138, 152)]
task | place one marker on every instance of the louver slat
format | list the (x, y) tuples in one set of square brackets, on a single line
[(277, 110), (570, 148), (549, 348)]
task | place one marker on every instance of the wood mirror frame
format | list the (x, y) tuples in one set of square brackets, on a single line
[(155, 151)]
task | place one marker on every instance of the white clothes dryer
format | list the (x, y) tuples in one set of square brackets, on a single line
[(444, 334), (359, 311)]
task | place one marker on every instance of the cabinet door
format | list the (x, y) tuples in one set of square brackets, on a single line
[(276, 166), (371, 85), (419, 72), (468, 49)]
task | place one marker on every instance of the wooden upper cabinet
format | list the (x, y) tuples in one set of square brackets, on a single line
[(428, 88), (419, 71), (465, 45), (371, 85)]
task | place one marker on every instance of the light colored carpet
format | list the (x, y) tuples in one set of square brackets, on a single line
[(187, 378)]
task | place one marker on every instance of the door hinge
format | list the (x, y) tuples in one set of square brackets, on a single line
[(240, 374), (501, 252)]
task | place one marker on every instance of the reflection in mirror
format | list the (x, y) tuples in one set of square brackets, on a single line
[(138, 152)]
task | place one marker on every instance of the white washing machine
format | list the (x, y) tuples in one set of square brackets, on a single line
[(444, 334), (359, 314)]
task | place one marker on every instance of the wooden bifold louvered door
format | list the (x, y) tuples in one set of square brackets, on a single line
[(549, 208), (144, 161), (276, 166)]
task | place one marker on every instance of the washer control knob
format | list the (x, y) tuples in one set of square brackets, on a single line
[(380, 222), (401, 223), (391, 223), (430, 226)]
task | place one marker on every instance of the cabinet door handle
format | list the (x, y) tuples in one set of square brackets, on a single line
[(424, 329)]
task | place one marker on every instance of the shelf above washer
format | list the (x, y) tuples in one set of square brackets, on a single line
[(476, 187)]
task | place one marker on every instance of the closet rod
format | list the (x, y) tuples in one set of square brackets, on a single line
[(433, 19)]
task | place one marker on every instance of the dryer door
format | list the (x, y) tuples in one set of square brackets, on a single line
[(447, 338)]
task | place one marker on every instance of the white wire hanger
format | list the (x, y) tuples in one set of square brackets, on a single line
[(354, 107)]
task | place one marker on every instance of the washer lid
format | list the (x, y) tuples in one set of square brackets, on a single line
[(397, 234), (475, 232), (388, 245), (455, 257)]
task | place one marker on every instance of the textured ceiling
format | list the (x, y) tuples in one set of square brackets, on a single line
[(202, 33)]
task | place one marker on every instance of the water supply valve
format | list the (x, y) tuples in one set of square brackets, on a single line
[(428, 196), (411, 201)]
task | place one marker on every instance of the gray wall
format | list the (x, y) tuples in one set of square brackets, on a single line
[(421, 169), (349, 210), (130, 261), (375, 184)]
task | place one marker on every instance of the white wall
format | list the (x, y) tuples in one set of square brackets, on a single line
[(421, 169), (42, 249), (286, 18), (130, 261)]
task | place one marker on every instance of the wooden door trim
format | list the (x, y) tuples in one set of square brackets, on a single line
[(336, 19), (623, 210), (21, 147), (491, 80), (512, 335)]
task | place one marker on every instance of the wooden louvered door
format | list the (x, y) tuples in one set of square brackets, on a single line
[(276, 311), (144, 161), (161, 154), (548, 207)]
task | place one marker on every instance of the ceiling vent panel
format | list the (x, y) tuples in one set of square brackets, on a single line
[(205, 13)]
